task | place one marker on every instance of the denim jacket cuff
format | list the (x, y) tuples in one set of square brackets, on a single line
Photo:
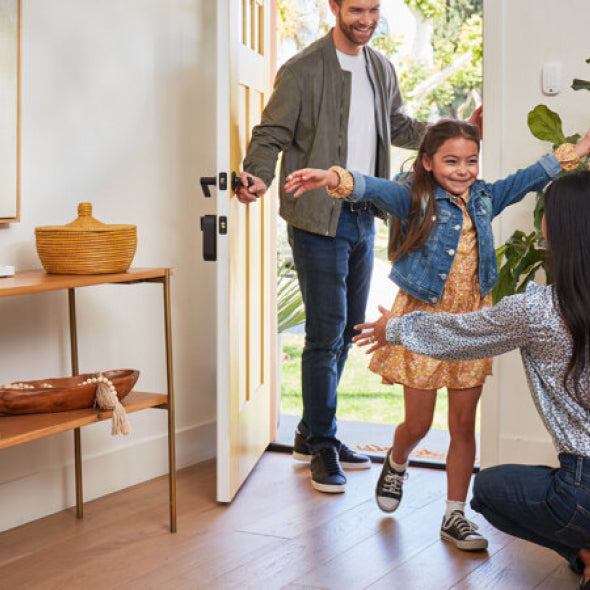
[(359, 186), (551, 165)]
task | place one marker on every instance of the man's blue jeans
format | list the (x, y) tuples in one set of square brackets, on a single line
[(547, 506), (334, 278)]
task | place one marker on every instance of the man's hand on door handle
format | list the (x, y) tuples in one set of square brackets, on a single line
[(250, 188)]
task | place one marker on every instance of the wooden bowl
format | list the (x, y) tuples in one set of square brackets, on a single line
[(65, 393)]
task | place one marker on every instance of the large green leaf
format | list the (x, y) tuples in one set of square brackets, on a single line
[(522, 255), (573, 138), (539, 211), (528, 278), (578, 84), (532, 257), (546, 124), (500, 254), (290, 311), (504, 285)]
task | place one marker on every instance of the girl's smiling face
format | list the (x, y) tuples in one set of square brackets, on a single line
[(455, 165)]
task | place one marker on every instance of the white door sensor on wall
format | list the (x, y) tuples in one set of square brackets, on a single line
[(551, 77)]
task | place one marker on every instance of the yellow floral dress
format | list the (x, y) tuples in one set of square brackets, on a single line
[(461, 294)]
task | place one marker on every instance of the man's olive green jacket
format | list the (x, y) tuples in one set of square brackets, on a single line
[(306, 118)]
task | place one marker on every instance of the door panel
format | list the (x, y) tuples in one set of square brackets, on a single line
[(246, 322)]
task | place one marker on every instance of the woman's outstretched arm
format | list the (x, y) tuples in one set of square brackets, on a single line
[(447, 336)]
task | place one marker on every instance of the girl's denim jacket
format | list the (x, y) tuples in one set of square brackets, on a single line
[(423, 273)]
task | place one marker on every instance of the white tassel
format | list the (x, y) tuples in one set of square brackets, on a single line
[(106, 399)]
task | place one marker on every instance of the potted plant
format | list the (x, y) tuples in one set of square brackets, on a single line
[(290, 312), (523, 255)]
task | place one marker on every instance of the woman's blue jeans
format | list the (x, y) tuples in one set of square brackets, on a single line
[(334, 278), (544, 505)]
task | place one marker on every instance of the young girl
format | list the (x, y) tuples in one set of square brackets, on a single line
[(444, 260), (551, 326)]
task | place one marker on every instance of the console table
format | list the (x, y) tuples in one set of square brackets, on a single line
[(15, 430)]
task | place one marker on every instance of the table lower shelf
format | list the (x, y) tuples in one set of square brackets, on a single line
[(15, 430)]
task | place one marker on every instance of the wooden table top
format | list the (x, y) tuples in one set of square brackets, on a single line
[(38, 281)]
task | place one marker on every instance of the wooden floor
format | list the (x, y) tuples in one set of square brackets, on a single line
[(278, 533)]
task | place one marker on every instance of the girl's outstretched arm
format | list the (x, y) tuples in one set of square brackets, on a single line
[(582, 148), (310, 178), (514, 187), (392, 197), (569, 154)]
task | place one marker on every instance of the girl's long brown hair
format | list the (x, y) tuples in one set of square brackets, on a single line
[(423, 208)]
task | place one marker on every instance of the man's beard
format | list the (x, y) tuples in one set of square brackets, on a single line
[(354, 36)]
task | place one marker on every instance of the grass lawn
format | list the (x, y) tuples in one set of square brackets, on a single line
[(361, 395)]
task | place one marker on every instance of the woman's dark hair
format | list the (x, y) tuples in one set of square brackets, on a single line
[(567, 222), (423, 207)]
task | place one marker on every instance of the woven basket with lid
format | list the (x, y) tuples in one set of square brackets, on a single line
[(86, 246)]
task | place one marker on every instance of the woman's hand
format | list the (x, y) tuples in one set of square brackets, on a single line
[(310, 178), (373, 333)]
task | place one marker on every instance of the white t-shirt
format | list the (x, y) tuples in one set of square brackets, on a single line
[(362, 132)]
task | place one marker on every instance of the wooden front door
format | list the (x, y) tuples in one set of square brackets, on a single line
[(246, 262)]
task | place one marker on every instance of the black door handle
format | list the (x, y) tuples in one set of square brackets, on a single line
[(206, 182), (209, 229), (236, 182)]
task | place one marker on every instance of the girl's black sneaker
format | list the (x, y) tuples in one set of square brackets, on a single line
[(462, 532), (388, 492)]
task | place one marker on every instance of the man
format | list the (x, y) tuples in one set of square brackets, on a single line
[(337, 102)]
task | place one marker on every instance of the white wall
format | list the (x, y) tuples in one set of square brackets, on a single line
[(116, 110), (519, 36)]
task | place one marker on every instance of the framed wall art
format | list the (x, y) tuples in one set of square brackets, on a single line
[(10, 46)]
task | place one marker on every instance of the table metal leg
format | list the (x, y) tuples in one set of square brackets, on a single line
[(78, 471), (171, 419), (75, 371)]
